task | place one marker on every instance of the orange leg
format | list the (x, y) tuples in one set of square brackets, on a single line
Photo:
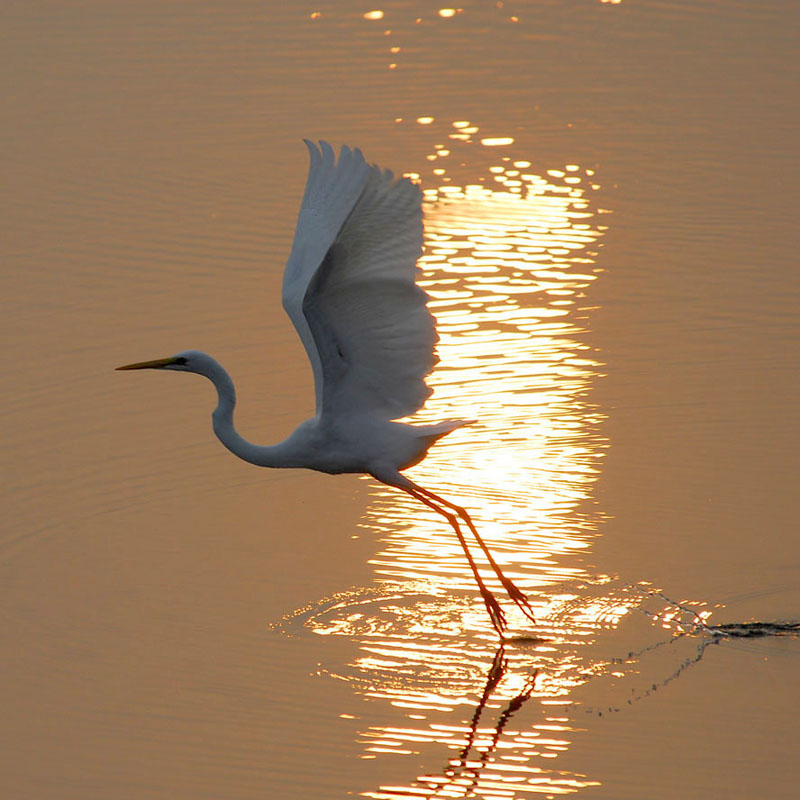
[(514, 592), (496, 613)]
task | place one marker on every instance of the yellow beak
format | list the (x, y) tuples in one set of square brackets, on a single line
[(159, 362)]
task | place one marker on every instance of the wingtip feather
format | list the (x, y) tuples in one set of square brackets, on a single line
[(327, 151)]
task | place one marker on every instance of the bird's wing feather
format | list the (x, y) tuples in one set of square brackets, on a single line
[(332, 189), (373, 332)]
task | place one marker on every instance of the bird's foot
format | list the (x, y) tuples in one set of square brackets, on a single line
[(496, 613), (519, 598)]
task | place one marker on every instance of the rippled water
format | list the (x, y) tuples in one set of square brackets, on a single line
[(610, 255)]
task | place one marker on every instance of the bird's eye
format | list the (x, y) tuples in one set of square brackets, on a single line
[(181, 360)]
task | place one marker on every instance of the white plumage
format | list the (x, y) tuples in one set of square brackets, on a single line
[(350, 289)]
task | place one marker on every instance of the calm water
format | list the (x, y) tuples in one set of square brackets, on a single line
[(610, 197)]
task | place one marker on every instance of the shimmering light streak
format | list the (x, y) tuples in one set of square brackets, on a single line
[(507, 270), (509, 263)]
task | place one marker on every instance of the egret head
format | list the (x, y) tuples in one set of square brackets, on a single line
[(186, 361), (198, 362)]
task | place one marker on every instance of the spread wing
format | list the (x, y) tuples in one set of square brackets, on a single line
[(350, 287)]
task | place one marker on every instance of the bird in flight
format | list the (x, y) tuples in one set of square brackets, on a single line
[(350, 290)]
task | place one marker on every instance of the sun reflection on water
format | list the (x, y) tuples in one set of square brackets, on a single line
[(507, 273), (509, 262)]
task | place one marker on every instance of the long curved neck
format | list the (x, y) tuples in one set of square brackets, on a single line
[(278, 455)]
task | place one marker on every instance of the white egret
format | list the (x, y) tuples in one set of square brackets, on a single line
[(350, 289)]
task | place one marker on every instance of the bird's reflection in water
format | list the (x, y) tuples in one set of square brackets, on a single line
[(506, 714), (461, 776)]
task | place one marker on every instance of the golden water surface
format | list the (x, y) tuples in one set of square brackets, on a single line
[(610, 252)]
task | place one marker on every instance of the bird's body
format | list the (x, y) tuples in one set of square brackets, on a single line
[(350, 289)]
